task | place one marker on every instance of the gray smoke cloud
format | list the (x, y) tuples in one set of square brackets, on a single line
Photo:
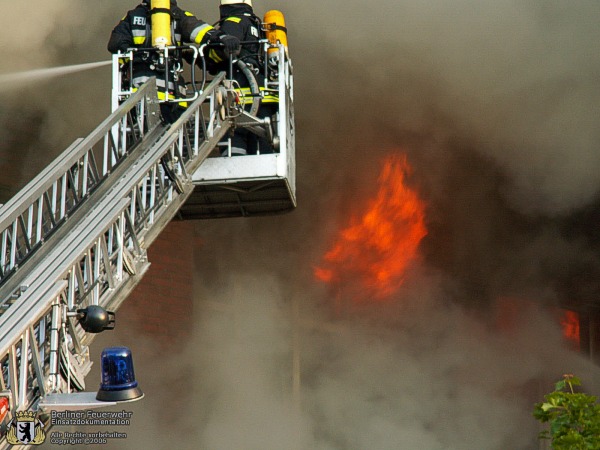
[(419, 372), (515, 80), (492, 102), (42, 115), (473, 94), (493, 106)]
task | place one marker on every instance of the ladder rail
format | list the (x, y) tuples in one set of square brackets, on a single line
[(28, 219), (101, 257), (78, 234)]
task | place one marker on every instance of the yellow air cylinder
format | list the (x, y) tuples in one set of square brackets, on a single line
[(161, 23), (275, 29)]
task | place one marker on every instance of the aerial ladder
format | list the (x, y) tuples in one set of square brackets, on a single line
[(73, 241)]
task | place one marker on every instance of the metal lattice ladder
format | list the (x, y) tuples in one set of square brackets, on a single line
[(77, 236)]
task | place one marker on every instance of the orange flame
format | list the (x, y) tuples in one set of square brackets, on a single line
[(570, 327), (375, 250)]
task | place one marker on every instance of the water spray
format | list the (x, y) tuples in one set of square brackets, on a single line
[(12, 80)]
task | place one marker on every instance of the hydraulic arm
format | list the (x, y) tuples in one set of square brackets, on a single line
[(77, 236)]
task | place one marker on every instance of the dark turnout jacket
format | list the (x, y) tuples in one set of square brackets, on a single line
[(240, 21), (135, 31)]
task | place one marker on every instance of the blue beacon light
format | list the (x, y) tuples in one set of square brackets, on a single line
[(118, 382)]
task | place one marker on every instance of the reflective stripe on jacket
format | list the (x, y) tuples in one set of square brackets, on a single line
[(134, 30)]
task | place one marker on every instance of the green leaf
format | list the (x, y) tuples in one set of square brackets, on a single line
[(573, 417), (547, 406)]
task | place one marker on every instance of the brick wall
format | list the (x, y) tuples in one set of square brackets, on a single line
[(160, 307), (19, 140), (590, 336)]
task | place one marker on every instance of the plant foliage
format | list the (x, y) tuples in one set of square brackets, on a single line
[(574, 417)]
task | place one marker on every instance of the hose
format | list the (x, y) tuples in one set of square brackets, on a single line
[(252, 84)]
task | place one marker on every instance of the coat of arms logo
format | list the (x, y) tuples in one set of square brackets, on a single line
[(25, 429)]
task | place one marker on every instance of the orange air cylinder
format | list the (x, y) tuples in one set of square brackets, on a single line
[(161, 23), (275, 29)]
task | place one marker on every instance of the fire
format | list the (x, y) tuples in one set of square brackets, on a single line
[(377, 247), (570, 327)]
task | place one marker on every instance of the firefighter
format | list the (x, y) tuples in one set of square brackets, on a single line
[(238, 19), (134, 31)]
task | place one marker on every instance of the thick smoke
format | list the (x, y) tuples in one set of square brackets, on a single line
[(493, 103), (41, 116), (279, 363), (516, 80)]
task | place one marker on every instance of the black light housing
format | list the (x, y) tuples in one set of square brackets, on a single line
[(95, 319)]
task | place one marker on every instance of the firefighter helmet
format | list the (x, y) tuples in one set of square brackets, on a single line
[(232, 2)]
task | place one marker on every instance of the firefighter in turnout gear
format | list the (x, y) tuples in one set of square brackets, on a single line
[(135, 31), (238, 19)]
